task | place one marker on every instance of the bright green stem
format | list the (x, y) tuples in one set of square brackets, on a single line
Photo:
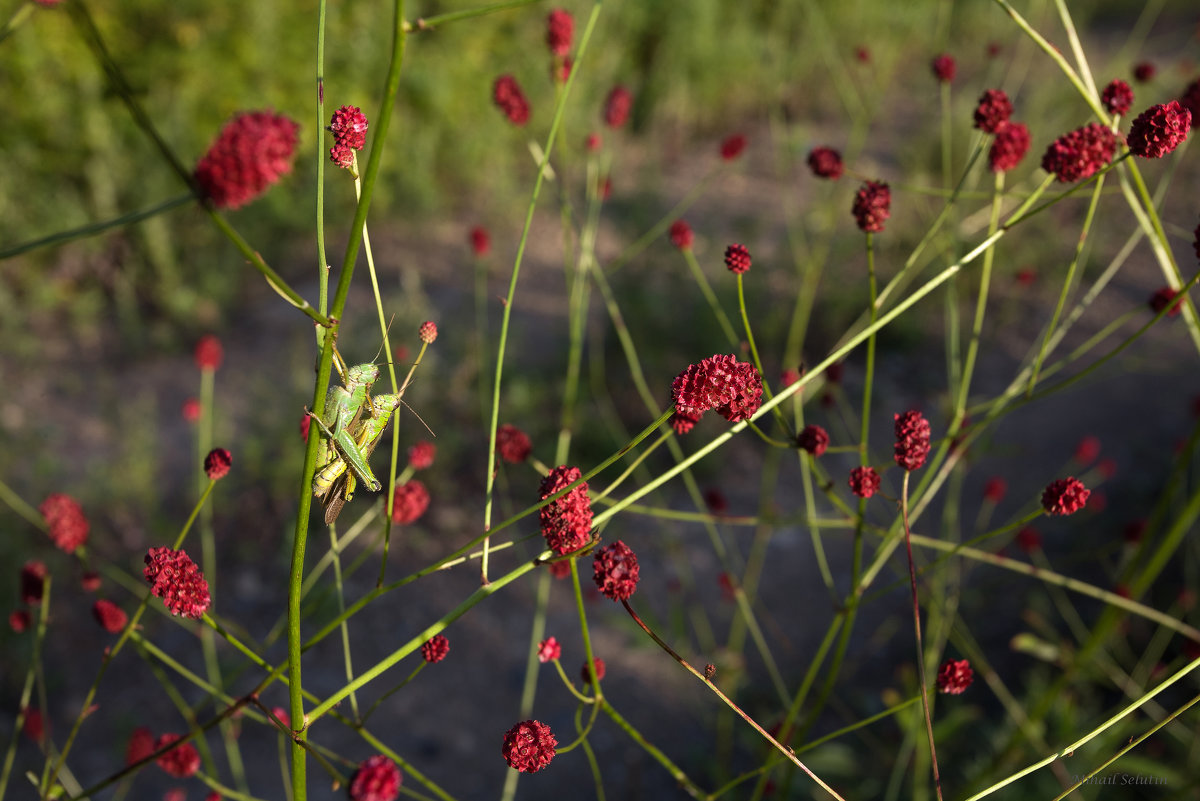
[(322, 154), (749, 331), (506, 317), (423, 24), (344, 626), (1068, 284), (711, 297), (39, 639), (655, 753), (985, 279), (300, 538)]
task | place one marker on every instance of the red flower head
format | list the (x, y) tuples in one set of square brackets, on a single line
[(409, 502), (176, 579), (1066, 496), (615, 571), (862, 55), (737, 258), (872, 206), (944, 67), (349, 128), (995, 489), (208, 354), (683, 423), (435, 648), (512, 444), (825, 162), (864, 481), (716, 501), (560, 569), (65, 521), (1080, 153), (191, 410), (33, 582), (377, 779), (1159, 129), (481, 243), (111, 617), (252, 152), (719, 382), (1190, 99), (283, 715), (912, 440), (549, 650), (789, 376), (1144, 72), (428, 332), (528, 746), (732, 147), (35, 724), (1162, 299), (1009, 146), (560, 29), (90, 581), (1087, 450), (421, 455), (994, 108), (681, 235), (593, 142), (217, 463), (507, 94), (19, 620), (1028, 539), (617, 106), (955, 677), (141, 745), (566, 522), (586, 674), (813, 439), (1117, 97), (181, 761)]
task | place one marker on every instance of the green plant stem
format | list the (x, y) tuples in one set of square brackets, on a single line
[(39, 640), (322, 259), (428, 24), (655, 753), (502, 345), (18, 505), (985, 280), (91, 229), (710, 297)]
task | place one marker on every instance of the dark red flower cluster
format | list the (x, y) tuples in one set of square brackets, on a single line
[(825, 162), (141, 745), (586, 674), (719, 382), (912, 440), (1117, 97), (1029, 539), (528, 746), (176, 579), (19, 620), (33, 582), (377, 779), (427, 333), (65, 521), (1066, 496), (615, 571), (683, 423), (252, 152), (111, 617), (954, 677), (617, 106), (90, 581), (994, 108), (512, 444), (1080, 153), (1144, 71), (507, 94), (1163, 298), (813, 439), (208, 354), (566, 522), (1190, 99), (681, 235), (732, 147), (181, 761), (481, 243), (995, 489), (737, 258), (1159, 129), (560, 30), (1009, 146), (864, 481), (944, 68), (549, 650), (409, 502), (435, 648), (421, 455), (217, 463), (349, 128), (872, 206)]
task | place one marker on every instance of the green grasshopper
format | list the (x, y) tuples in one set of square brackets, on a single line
[(333, 483), (343, 405)]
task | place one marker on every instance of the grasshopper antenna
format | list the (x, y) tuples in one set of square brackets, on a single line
[(387, 331), (414, 411)]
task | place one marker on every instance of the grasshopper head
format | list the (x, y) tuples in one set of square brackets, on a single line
[(362, 374)]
